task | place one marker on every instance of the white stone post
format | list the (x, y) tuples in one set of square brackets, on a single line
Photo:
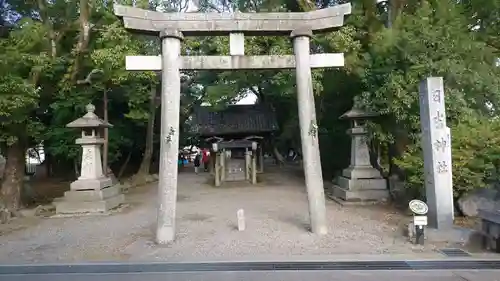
[(253, 175), (169, 145), (223, 163), (261, 159), (309, 132), (248, 164), (436, 146), (241, 220)]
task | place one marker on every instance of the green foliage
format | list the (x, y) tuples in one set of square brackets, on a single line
[(434, 39), (22, 61), (113, 45), (428, 44), (475, 158)]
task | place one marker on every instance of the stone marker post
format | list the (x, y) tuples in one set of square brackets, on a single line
[(169, 145), (248, 162), (261, 159), (241, 219), (308, 132), (436, 146), (254, 167)]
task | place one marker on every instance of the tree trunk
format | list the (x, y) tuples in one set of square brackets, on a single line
[(124, 165), (148, 151), (10, 193), (280, 160), (48, 163), (105, 147), (83, 38)]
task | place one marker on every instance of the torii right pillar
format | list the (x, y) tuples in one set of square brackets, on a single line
[(308, 131)]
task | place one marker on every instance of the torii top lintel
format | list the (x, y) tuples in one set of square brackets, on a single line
[(196, 24)]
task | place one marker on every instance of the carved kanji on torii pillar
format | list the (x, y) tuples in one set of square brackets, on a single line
[(171, 28)]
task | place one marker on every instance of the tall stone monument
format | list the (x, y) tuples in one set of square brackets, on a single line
[(92, 192), (360, 182), (436, 146), (172, 27)]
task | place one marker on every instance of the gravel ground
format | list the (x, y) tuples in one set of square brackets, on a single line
[(276, 226)]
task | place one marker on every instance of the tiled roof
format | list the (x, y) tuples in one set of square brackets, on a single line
[(234, 119)]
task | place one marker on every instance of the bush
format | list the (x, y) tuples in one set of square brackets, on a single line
[(475, 156)]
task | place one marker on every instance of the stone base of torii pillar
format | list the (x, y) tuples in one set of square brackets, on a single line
[(92, 192)]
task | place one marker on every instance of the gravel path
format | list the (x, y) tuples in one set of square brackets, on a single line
[(276, 218)]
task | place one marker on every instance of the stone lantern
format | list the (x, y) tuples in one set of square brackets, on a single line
[(92, 191), (360, 182)]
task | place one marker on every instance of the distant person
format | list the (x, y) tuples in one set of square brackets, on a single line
[(205, 159), (290, 154), (197, 162), (179, 160)]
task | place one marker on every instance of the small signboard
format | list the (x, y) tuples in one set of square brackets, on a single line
[(418, 207), (420, 220)]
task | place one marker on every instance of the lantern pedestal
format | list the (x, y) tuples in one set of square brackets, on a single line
[(92, 192), (360, 191), (89, 201)]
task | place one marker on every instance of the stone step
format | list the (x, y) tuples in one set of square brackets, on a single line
[(91, 195), (75, 207)]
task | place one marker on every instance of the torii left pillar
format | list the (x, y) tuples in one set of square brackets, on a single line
[(308, 131), (169, 145)]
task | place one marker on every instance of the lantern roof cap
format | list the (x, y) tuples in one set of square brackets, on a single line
[(89, 120), (357, 113)]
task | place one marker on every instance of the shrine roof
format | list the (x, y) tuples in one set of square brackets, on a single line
[(252, 119)]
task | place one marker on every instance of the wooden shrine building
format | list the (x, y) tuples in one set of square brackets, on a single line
[(236, 137)]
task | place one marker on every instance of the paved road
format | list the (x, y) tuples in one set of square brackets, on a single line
[(429, 270), (396, 275)]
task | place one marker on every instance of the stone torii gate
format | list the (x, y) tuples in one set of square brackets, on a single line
[(171, 28)]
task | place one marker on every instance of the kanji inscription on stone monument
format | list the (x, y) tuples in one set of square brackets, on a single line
[(436, 145), (436, 96), (441, 144)]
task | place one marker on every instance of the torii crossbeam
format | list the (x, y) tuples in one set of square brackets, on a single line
[(195, 24), (139, 63), (171, 28)]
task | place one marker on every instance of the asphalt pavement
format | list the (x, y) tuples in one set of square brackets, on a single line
[(448, 270), (430, 275)]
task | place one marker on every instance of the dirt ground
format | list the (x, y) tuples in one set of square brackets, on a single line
[(276, 216)]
